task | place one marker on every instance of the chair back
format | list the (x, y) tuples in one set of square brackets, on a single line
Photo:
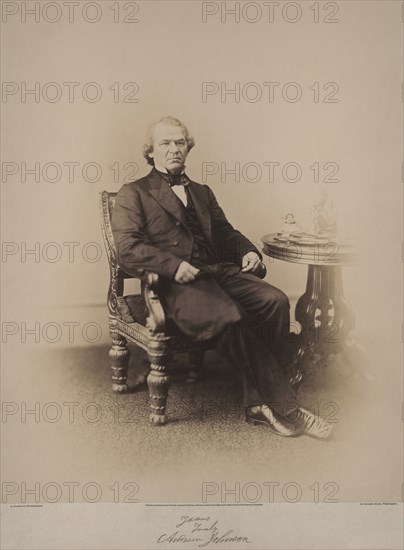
[(107, 203), (116, 284)]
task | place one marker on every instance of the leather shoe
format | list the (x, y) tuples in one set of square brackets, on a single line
[(310, 424), (262, 414)]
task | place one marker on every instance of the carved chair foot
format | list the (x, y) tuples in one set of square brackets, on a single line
[(120, 388), (119, 355), (158, 382), (158, 379), (157, 418)]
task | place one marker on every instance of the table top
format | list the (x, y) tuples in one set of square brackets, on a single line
[(322, 252)]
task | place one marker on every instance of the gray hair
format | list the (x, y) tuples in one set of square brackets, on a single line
[(148, 145)]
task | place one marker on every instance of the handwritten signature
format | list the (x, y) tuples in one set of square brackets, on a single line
[(202, 530)]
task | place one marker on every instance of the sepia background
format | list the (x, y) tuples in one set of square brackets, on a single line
[(169, 53)]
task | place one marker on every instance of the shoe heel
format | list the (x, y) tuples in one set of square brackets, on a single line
[(252, 421)]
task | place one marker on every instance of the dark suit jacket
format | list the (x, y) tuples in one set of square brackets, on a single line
[(150, 233)]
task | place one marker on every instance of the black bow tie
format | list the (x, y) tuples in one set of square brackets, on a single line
[(181, 179), (174, 179)]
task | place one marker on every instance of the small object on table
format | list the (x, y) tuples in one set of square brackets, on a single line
[(289, 226)]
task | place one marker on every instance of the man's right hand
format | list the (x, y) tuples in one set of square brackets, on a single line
[(185, 273)]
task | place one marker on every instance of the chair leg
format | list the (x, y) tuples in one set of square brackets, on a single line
[(119, 354), (196, 359), (158, 379)]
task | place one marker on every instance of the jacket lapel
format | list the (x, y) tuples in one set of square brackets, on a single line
[(160, 189)]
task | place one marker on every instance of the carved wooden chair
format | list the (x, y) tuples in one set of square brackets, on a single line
[(140, 319)]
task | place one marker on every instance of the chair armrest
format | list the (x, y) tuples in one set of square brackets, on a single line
[(156, 318)]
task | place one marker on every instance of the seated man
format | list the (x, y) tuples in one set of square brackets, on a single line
[(168, 224)]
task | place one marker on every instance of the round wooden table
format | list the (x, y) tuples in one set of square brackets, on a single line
[(325, 317)]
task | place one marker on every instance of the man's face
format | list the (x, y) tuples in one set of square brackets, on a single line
[(169, 147)]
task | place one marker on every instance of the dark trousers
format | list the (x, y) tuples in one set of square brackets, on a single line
[(258, 345), (255, 341)]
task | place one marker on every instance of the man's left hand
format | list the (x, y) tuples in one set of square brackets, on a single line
[(251, 263)]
